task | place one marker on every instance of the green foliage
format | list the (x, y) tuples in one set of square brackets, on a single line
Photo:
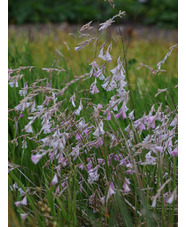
[(72, 208), (164, 13)]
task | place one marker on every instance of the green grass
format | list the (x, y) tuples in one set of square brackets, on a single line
[(71, 209)]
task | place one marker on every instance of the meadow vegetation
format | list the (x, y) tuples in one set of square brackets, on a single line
[(93, 133)]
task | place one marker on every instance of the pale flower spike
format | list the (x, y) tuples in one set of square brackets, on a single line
[(86, 26), (107, 23), (165, 58)]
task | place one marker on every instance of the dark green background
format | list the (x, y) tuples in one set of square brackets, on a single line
[(163, 13)]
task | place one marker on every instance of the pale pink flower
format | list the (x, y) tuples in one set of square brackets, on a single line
[(126, 185), (99, 131), (72, 100), (36, 158), (151, 121), (14, 82), (121, 113), (106, 85), (175, 121), (18, 203), (111, 190), (91, 198), (94, 90), (81, 166), (175, 151), (101, 161), (99, 106), (107, 56), (89, 165), (77, 112), (21, 115), (79, 137), (87, 130), (24, 91), (24, 144), (75, 152), (102, 200), (131, 115), (158, 148), (24, 201), (99, 142), (24, 216), (150, 160), (99, 74), (109, 116), (93, 175), (63, 184), (28, 128), (54, 180), (106, 24)]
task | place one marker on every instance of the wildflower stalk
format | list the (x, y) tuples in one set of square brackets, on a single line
[(126, 69)]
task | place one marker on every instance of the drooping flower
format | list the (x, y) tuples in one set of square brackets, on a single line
[(79, 137), (175, 121), (24, 91), (72, 100), (36, 158), (109, 116), (139, 125), (126, 185), (24, 144), (21, 115), (93, 88), (175, 151), (107, 23), (172, 196), (102, 200), (121, 113), (131, 115), (54, 180), (23, 216), (99, 131), (77, 112), (81, 166), (12, 83), (99, 142), (150, 160), (107, 56), (75, 152), (93, 175), (24, 201), (101, 161), (151, 121), (99, 106), (105, 85), (28, 128), (111, 191), (91, 198), (87, 130)]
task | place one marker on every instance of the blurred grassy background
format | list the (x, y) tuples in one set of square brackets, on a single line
[(162, 13)]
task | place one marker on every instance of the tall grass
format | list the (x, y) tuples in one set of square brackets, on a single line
[(86, 153)]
